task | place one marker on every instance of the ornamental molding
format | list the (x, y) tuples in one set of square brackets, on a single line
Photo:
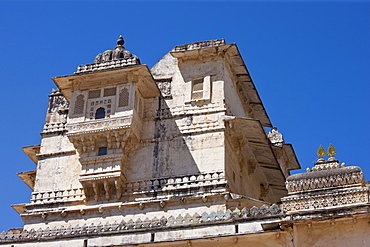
[(101, 125)]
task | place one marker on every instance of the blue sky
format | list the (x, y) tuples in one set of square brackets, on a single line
[(310, 62)]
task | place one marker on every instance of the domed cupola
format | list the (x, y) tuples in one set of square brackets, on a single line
[(119, 53), (117, 58)]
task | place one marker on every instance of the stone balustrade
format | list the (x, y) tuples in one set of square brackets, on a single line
[(199, 45), (167, 184), (137, 187), (103, 227), (57, 196), (115, 64)]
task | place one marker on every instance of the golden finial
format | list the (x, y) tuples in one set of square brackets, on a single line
[(331, 150), (321, 152)]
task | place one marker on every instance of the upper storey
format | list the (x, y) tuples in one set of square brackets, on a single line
[(111, 87), (211, 71), (119, 65)]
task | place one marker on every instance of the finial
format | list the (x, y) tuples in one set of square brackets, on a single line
[(321, 152), (120, 40), (331, 150)]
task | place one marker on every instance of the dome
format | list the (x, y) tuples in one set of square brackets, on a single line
[(119, 53)]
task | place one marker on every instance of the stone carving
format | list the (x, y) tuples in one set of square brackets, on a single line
[(164, 86), (141, 224), (276, 138), (57, 113), (57, 101)]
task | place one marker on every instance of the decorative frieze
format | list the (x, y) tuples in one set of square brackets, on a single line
[(330, 179), (103, 227), (101, 124), (340, 198)]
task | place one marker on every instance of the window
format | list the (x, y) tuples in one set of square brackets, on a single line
[(197, 88), (102, 151), (94, 94), (123, 98), (100, 113), (79, 104), (110, 92)]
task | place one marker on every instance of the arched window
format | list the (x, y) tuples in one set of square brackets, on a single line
[(100, 113)]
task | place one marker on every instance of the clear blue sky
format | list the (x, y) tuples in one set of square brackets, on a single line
[(310, 62)]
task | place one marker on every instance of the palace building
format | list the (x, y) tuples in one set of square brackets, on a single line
[(178, 155)]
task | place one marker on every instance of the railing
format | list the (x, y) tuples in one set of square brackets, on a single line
[(167, 184), (107, 65), (57, 196), (137, 187)]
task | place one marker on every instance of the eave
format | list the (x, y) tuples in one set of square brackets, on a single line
[(19, 208), (139, 74), (28, 178), (245, 85), (32, 152), (254, 134)]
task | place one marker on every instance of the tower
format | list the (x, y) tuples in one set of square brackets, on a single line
[(178, 154)]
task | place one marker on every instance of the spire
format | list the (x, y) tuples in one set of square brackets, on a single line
[(120, 40), (331, 151), (321, 153)]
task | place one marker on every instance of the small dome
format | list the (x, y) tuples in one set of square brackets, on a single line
[(119, 53)]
